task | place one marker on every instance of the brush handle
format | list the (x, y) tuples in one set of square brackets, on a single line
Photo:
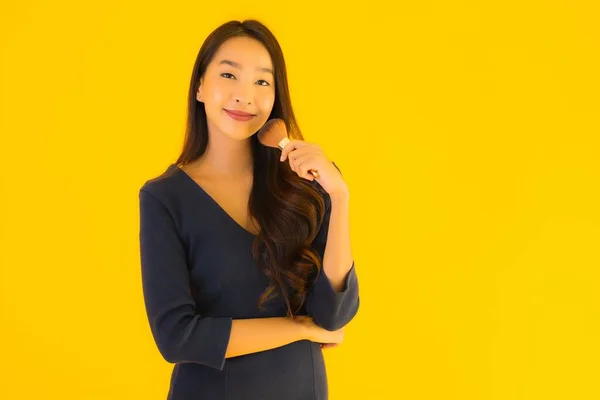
[(284, 142)]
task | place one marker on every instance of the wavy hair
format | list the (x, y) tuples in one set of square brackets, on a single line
[(289, 209)]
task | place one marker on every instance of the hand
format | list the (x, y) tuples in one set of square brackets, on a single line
[(316, 334), (304, 156)]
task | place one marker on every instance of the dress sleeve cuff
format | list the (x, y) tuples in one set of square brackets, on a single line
[(329, 308), (215, 355)]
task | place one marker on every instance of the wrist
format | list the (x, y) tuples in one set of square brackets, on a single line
[(302, 327), (340, 196)]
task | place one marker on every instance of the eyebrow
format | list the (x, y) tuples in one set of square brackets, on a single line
[(237, 65)]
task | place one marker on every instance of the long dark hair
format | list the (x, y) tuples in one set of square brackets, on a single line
[(289, 209)]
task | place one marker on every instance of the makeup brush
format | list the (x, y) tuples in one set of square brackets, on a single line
[(274, 134)]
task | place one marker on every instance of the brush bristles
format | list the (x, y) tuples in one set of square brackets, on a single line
[(272, 133)]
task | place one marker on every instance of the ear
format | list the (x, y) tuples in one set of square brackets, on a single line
[(200, 92)]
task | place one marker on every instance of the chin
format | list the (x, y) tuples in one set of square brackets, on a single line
[(239, 134)]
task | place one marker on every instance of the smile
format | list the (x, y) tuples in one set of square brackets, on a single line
[(239, 115)]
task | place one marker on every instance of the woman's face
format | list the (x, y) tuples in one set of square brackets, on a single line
[(238, 79)]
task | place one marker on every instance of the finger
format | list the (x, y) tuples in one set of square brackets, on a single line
[(303, 164), (291, 146), (294, 155)]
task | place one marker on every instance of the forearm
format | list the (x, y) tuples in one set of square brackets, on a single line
[(337, 259), (259, 334)]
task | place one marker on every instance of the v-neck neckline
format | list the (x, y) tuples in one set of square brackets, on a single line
[(212, 200)]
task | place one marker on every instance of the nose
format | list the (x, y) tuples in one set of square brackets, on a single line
[(244, 95)]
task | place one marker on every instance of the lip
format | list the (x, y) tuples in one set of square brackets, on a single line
[(239, 115)]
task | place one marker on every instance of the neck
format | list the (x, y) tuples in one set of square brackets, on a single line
[(225, 156)]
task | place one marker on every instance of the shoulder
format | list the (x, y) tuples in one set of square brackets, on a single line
[(163, 186)]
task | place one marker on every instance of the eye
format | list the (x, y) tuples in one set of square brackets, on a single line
[(261, 82)]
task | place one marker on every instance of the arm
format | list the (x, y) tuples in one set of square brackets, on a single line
[(182, 335), (337, 258), (334, 299), (259, 334)]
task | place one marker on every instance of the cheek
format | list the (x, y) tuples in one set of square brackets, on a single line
[(214, 102), (217, 97), (266, 102)]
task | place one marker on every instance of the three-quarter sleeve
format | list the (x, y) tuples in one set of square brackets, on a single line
[(181, 335), (329, 308)]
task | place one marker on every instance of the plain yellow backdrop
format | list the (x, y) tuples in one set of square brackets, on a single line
[(467, 132)]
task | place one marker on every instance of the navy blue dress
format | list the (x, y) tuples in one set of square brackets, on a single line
[(198, 275)]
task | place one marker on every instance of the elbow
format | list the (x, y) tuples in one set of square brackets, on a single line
[(169, 357), (332, 324), (337, 320), (169, 352), (169, 339), (192, 339)]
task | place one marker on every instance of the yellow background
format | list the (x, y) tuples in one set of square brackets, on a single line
[(467, 132)]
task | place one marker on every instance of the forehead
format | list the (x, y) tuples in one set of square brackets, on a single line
[(244, 50)]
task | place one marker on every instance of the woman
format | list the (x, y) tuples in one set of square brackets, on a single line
[(246, 263)]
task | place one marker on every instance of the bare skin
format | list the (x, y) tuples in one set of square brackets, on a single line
[(239, 79)]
